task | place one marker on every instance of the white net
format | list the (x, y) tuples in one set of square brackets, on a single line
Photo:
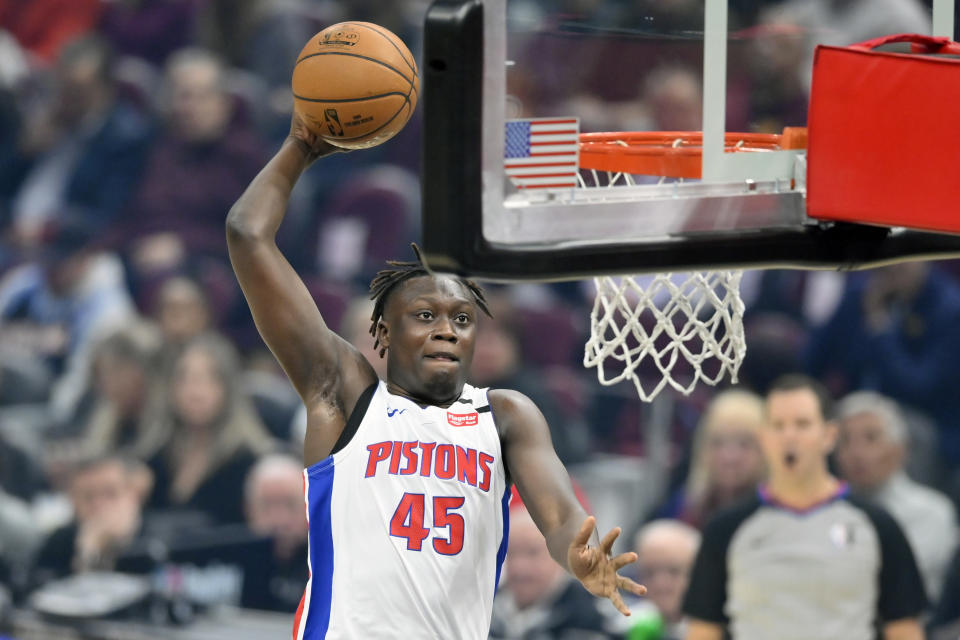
[(667, 329), (676, 329)]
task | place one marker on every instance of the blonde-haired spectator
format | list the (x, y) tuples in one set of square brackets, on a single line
[(126, 390), (210, 432), (727, 462)]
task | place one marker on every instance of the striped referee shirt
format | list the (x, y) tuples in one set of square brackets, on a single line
[(839, 569)]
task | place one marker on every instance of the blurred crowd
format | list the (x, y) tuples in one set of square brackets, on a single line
[(145, 429)]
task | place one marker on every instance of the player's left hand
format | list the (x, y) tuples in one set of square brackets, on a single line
[(594, 567), (312, 144)]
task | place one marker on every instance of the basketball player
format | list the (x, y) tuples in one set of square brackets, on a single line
[(408, 480), (803, 559)]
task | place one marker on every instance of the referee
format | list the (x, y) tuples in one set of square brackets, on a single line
[(803, 559)]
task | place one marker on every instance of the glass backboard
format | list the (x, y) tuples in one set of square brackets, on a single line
[(509, 86)]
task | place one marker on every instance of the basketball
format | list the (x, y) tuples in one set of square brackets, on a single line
[(355, 84)]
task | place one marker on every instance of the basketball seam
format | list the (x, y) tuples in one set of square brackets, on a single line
[(355, 55), (392, 43), (406, 97)]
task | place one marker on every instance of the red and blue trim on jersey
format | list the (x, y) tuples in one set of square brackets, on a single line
[(313, 614), (502, 551)]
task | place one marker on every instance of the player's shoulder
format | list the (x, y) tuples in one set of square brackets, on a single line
[(508, 399), (514, 412), (510, 404)]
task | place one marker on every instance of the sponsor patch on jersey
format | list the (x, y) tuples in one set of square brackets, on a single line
[(463, 419)]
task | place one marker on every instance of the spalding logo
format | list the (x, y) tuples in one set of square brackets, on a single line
[(340, 37)]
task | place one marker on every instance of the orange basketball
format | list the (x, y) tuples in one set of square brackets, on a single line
[(355, 84)]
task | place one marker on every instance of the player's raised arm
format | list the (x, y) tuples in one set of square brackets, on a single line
[(546, 490), (323, 367)]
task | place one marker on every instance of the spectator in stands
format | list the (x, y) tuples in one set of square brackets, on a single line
[(211, 434), (264, 38), (844, 23), (775, 58), (273, 494), (181, 310), (666, 549), (803, 559), (673, 96), (54, 310), (870, 454), (199, 166), (80, 153), (538, 599), (895, 332), (107, 493), (727, 462), (126, 388)]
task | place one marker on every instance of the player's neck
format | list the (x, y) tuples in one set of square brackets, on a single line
[(802, 491), (423, 400)]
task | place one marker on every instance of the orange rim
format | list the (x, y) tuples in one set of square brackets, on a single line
[(672, 154)]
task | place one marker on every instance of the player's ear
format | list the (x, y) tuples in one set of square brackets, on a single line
[(383, 334)]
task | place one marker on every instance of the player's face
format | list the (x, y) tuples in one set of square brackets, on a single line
[(865, 453), (429, 330), (796, 438)]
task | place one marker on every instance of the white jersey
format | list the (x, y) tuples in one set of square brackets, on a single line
[(408, 523)]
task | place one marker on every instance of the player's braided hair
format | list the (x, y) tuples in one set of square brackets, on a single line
[(387, 279)]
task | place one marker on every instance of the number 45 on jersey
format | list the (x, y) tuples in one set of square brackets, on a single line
[(407, 522)]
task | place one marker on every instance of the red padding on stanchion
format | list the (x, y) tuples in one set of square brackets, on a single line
[(884, 130)]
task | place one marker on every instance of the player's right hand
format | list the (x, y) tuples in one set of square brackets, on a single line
[(596, 568), (312, 144)]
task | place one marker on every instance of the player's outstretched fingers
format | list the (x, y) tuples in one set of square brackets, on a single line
[(629, 585), (583, 536), (619, 604), (624, 559), (607, 543)]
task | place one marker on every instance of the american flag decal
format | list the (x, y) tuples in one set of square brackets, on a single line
[(542, 153)]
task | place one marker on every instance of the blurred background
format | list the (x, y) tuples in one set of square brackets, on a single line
[(150, 483)]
